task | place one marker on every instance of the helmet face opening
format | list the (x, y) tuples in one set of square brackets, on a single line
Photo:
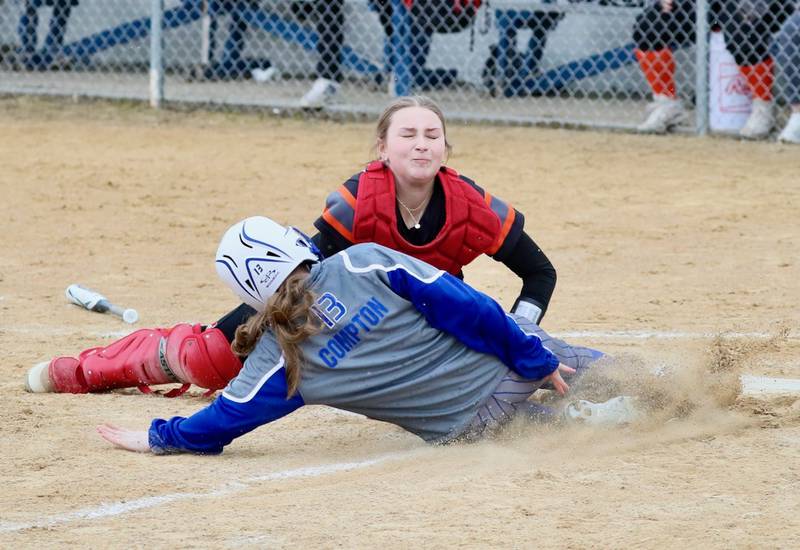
[(256, 255), (306, 241)]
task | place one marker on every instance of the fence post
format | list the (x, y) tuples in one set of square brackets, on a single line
[(701, 67), (156, 53)]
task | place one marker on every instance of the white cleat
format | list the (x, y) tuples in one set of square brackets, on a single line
[(664, 114), (760, 122), (614, 412), (38, 379), (791, 132), (321, 92)]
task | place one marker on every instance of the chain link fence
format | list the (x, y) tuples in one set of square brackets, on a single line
[(632, 64)]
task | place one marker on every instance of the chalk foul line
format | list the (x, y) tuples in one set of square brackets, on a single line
[(117, 508)]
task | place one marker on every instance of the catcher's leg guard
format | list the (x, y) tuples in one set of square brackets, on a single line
[(200, 357), (143, 358)]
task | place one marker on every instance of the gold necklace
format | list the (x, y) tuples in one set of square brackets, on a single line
[(412, 210)]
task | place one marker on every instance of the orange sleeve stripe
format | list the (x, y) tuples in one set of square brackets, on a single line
[(487, 197), (348, 196), (337, 225), (507, 223)]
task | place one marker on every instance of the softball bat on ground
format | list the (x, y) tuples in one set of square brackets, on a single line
[(94, 301)]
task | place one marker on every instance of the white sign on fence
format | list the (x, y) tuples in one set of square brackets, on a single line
[(729, 95)]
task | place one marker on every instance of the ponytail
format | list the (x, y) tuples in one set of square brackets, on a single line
[(288, 314)]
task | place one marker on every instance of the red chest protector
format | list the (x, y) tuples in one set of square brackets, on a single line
[(470, 228)]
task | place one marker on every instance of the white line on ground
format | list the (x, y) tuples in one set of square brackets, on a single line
[(765, 385), (664, 335), (609, 335), (118, 508)]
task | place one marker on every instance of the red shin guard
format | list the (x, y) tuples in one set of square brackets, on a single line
[(183, 354)]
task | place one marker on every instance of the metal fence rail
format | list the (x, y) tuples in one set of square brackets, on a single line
[(600, 63)]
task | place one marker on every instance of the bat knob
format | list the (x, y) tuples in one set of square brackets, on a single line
[(130, 316)]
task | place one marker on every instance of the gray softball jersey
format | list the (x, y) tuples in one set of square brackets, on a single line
[(381, 358), (401, 342)]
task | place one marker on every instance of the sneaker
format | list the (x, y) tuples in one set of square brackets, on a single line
[(614, 412), (791, 133), (652, 105), (664, 114), (760, 122), (320, 93), (263, 75)]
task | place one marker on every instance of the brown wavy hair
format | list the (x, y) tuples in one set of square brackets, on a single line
[(288, 314)]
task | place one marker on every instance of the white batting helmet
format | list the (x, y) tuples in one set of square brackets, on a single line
[(256, 255)]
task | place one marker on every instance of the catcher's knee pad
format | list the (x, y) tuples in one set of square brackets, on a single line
[(201, 357)]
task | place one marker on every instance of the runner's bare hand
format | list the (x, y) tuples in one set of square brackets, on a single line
[(131, 440), (558, 383)]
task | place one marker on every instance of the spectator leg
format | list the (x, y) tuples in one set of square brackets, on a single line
[(748, 34), (760, 78), (748, 41), (541, 23), (28, 23), (330, 38), (216, 10), (54, 41), (420, 46), (384, 10), (508, 22), (787, 46), (232, 64), (658, 68), (212, 32), (655, 34), (401, 39)]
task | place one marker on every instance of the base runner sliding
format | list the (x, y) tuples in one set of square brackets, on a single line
[(368, 330)]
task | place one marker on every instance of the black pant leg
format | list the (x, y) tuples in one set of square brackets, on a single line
[(231, 320), (656, 30), (330, 38), (748, 36)]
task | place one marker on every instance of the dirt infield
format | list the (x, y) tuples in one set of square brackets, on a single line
[(660, 244)]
